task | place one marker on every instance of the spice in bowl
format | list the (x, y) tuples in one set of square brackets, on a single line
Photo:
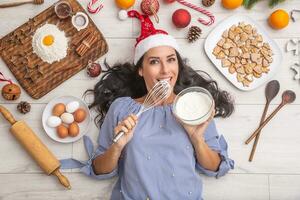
[(63, 9)]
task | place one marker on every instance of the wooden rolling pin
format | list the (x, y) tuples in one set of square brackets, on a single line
[(35, 147), (18, 3)]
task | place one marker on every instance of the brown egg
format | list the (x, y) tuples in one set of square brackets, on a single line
[(58, 109), (62, 131), (73, 129), (79, 115)]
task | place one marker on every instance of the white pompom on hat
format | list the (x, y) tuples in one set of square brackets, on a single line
[(150, 37)]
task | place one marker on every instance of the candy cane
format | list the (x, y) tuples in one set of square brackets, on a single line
[(201, 10), (94, 10)]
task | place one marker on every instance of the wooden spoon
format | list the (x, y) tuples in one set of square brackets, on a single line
[(17, 3), (288, 96), (271, 91)]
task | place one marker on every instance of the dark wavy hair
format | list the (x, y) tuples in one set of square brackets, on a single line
[(123, 80)]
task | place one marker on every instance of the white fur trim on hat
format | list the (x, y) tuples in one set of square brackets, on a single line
[(154, 41)]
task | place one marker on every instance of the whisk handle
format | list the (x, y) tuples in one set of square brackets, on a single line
[(118, 136), (121, 133)]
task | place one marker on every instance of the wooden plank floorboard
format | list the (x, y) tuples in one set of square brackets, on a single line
[(274, 173)]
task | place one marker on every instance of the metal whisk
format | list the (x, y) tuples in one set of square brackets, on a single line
[(160, 91)]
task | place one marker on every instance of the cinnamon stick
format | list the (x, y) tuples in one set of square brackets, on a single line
[(83, 35), (86, 44)]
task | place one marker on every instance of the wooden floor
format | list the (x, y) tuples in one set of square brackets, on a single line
[(275, 172)]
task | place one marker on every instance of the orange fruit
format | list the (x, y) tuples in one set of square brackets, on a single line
[(125, 4), (232, 4), (279, 19)]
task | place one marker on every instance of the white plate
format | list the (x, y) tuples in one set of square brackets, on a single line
[(51, 132), (216, 35)]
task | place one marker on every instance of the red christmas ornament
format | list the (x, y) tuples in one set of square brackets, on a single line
[(150, 7), (9, 91), (181, 18), (93, 69), (169, 1)]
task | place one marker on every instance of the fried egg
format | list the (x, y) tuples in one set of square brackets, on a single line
[(50, 43)]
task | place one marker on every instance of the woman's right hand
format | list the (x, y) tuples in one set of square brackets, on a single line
[(127, 125)]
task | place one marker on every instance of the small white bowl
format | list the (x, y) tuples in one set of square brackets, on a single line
[(83, 126), (80, 21), (186, 102)]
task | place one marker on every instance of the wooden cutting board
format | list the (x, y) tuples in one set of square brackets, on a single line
[(36, 76)]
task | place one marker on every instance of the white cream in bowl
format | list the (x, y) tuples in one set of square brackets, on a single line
[(193, 105)]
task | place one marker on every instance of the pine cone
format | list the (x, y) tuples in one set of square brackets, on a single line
[(24, 107), (194, 33), (208, 3)]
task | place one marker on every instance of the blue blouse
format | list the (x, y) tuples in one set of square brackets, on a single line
[(159, 162)]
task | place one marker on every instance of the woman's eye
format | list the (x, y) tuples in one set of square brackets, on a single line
[(171, 60), (153, 62)]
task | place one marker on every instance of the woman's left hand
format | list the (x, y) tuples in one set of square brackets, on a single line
[(196, 132)]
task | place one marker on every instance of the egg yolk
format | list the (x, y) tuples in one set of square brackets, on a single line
[(48, 40)]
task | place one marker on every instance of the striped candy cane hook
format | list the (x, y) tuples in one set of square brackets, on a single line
[(201, 10), (2, 78), (91, 5)]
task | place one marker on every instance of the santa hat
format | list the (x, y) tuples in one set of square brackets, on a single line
[(150, 37)]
